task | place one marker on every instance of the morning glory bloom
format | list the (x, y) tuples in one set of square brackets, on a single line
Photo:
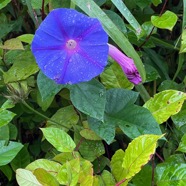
[(70, 47), (126, 63)]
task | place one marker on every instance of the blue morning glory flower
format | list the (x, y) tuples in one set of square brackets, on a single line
[(70, 47)]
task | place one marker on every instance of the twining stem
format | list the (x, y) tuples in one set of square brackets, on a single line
[(43, 116)]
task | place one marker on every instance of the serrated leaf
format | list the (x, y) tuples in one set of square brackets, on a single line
[(59, 139), (69, 173), (6, 116), (8, 151), (81, 93), (27, 38), (23, 67), (116, 169), (182, 144), (47, 87), (165, 104), (183, 42), (51, 167), (12, 44), (166, 21), (65, 116), (113, 77), (26, 178), (168, 174), (45, 178)]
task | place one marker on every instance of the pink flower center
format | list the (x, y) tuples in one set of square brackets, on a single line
[(71, 44)]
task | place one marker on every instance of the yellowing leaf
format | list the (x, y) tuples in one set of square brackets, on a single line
[(13, 44), (138, 153), (51, 167), (26, 178), (59, 139), (165, 104), (89, 134), (165, 21), (45, 178), (69, 173)]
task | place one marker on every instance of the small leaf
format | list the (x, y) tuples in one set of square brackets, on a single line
[(12, 44), (89, 134), (59, 139), (165, 104), (45, 178), (23, 67), (182, 144), (113, 77), (138, 153), (81, 93), (27, 38), (183, 42), (165, 21), (47, 87), (116, 165), (69, 173), (6, 116), (26, 178), (8, 152), (65, 116), (51, 167), (3, 3), (107, 178), (156, 2)]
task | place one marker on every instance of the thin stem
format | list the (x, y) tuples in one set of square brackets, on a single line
[(119, 183), (43, 10), (153, 167), (143, 92), (43, 116), (78, 145), (159, 157)]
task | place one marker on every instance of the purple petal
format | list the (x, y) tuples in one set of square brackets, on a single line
[(126, 63), (70, 47)]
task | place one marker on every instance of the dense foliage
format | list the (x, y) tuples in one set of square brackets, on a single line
[(106, 131)]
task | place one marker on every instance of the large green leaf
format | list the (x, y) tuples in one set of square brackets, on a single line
[(51, 167), (113, 77), (47, 87), (138, 153), (8, 152), (65, 116), (166, 21), (69, 173), (59, 139), (171, 174), (26, 178), (3, 3), (24, 66), (89, 98), (120, 111), (93, 10), (165, 104)]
